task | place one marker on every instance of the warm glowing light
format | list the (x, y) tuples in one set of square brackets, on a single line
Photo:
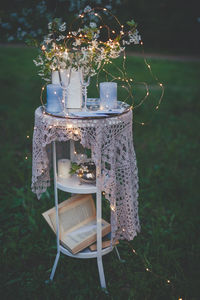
[(142, 123), (26, 157), (147, 269), (157, 107), (28, 136), (168, 281), (112, 207)]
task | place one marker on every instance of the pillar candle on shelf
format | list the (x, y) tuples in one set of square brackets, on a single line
[(64, 166), (108, 95), (54, 98), (74, 94)]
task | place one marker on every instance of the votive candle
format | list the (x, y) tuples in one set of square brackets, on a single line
[(108, 95), (54, 98), (64, 167)]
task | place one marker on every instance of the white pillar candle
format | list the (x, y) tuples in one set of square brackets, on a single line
[(108, 95), (64, 166), (74, 94), (75, 91)]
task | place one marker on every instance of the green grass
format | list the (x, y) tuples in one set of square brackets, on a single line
[(168, 162)]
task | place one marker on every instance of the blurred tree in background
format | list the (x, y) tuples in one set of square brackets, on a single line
[(165, 25)]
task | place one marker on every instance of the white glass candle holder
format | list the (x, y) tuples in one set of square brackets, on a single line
[(108, 95), (54, 98), (74, 94), (64, 167)]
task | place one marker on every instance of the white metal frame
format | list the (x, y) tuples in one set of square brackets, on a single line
[(82, 189)]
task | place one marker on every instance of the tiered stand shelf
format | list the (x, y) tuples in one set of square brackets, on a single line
[(72, 185)]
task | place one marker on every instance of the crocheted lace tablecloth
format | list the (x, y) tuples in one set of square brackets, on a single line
[(111, 143)]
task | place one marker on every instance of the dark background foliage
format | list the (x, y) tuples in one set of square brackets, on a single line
[(165, 25)]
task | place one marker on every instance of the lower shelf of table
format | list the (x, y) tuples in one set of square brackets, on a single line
[(73, 185), (86, 253)]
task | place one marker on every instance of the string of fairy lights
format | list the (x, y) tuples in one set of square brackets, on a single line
[(125, 82), (127, 85)]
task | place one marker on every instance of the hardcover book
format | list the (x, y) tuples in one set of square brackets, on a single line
[(77, 222)]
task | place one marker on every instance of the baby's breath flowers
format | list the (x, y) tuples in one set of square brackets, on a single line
[(81, 48)]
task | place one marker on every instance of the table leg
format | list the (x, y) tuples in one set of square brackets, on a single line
[(57, 217), (99, 226)]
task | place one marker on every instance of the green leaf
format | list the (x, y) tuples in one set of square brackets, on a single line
[(131, 23)]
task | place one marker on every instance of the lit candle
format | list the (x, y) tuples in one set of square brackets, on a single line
[(54, 98), (108, 95), (64, 167)]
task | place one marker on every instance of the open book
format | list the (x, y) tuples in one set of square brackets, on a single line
[(77, 222)]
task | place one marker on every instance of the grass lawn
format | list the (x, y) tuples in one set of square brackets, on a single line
[(168, 162)]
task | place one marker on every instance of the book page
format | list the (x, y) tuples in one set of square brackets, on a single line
[(70, 217), (74, 238)]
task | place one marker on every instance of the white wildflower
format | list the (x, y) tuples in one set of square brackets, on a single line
[(77, 43), (65, 55), (95, 43), (93, 25), (50, 25), (61, 37), (134, 37), (74, 33), (47, 40), (87, 9), (62, 65), (47, 79), (62, 27)]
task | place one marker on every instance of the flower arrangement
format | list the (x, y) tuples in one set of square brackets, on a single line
[(85, 47)]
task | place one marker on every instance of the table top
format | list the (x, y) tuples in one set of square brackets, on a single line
[(91, 113)]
